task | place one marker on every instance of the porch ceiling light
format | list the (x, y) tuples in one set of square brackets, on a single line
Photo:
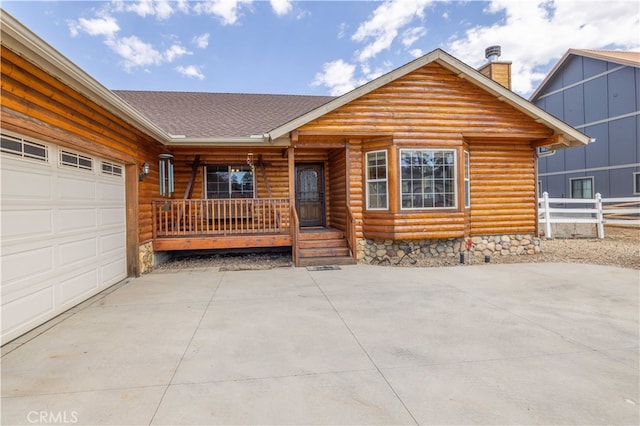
[(144, 171)]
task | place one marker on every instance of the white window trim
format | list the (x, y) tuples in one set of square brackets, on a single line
[(386, 179), (455, 179), (636, 188), (467, 179), (539, 189), (77, 165), (22, 154), (117, 170), (593, 189)]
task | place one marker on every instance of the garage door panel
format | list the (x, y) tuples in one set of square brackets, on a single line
[(30, 262), (73, 252), (25, 185), (113, 216), (78, 188), (78, 286), (110, 272), (77, 219), (26, 223), (112, 243), (111, 192), (22, 288), (28, 311)]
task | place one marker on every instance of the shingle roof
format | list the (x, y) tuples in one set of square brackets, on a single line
[(624, 58), (219, 115)]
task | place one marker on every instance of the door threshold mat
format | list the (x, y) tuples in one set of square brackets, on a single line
[(323, 268)]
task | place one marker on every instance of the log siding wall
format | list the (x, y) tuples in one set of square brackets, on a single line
[(434, 108)]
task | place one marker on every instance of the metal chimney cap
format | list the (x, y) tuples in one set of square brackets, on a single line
[(492, 53)]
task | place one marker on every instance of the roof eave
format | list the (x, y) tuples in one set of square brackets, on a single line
[(251, 141), (461, 69), (16, 37), (572, 136)]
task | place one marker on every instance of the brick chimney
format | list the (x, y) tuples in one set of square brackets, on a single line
[(498, 71)]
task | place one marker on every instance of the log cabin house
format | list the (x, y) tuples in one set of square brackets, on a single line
[(95, 182)]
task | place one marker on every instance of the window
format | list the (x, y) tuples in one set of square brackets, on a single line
[(582, 187), (539, 189), (377, 183), (428, 178), (636, 183), (78, 161), (23, 148), (467, 181), (165, 172), (111, 169), (229, 182)]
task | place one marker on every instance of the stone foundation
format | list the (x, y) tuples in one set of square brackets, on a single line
[(145, 253), (383, 251)]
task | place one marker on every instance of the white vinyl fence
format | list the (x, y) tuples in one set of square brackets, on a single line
[(599, 211)]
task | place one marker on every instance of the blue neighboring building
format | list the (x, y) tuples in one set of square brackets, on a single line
[(598, 93)]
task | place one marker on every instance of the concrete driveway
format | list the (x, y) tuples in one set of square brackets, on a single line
[(483, 344)]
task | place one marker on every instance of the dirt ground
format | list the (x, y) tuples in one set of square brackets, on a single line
[(620, 247)]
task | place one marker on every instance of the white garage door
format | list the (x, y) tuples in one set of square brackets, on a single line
[(63, 234)]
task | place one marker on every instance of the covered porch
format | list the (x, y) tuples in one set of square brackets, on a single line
[(299, 200)]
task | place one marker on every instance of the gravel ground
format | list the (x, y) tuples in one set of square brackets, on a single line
[(620, 247)]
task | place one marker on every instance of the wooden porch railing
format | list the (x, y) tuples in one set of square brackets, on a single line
[(191, 217)]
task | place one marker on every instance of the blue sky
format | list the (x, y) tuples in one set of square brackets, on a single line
[(314, 47)]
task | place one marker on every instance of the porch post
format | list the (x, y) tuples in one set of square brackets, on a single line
[(292, 172)]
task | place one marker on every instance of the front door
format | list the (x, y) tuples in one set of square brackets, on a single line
[(310, 194)]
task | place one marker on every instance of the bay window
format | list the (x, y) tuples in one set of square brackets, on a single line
[(428, 178)]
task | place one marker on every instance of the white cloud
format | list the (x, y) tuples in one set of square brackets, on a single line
[(342, 30), (338, 76), (281, 7), (416, 53), (412, 35), (175, 51), (191, 71), (378, 34), (370, 74), (535, 34), (103, 26), (161, 9), (384, 25), (227, 10), (135, 52), (201, 41), (182, 5)]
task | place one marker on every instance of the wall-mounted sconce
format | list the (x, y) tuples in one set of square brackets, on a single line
[(250, 159), (145, 171)]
